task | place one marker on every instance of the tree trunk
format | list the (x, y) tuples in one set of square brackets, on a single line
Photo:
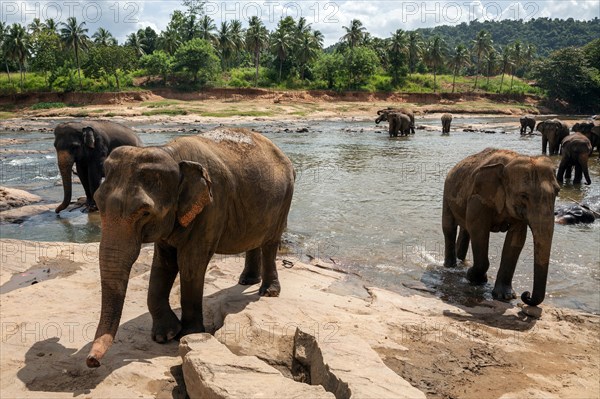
[(78, 68), (477, 73), (256, 63), (8, 72), (454, 78), (117, 79), (502, 79), (434, 77), (512, 77), (280, 67)]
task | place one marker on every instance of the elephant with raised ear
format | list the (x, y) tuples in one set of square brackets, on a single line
[(527, 121), (553, 132), (446, 121), (226, 191), (500, 190), (576, 149), (87, 144), (383, 113)]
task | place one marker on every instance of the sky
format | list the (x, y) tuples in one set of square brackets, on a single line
[(381, 18)]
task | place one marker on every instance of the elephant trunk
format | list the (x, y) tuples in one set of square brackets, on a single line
[(379, 118), (542, 244), (116, 259), (65, 166)]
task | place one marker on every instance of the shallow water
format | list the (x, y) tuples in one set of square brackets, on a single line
[(370, 203)]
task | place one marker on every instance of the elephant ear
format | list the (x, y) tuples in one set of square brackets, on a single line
[(490, 187), (194, 191), (88, 137)]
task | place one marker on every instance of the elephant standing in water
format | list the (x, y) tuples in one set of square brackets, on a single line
[(591, 131), (553, 132), (500, 190), (87, 144), (446, 121), (398, 123), (226, 191), (576, 149), (383, 116), (527, 122)]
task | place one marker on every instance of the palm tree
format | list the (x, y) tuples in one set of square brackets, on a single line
[(481, 46), (397, 47), (206, 29), (169, 41), (309, 47), (530, 51), (414, 49), (35, 27), (74, 35), (3, 47), (50, 25), (435, 52), (517, 57), (237, 38), (460, 59), (491, 60), (17, 46), (256, 40), (136, 43), (103, 37), (506, 62), (281, 44), (354, 34), (225, 44)]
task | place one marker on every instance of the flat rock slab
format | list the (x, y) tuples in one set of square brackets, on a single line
[(212, 371), (14, 198)]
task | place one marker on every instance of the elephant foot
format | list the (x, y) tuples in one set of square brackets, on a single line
[(194, 327), (476, 277), (89, 208), (166, 328), (450, 263), (272, 289), (503, 293), (248, 279)]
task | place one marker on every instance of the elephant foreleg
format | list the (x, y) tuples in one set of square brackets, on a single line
[(252, 267), (270, 280), (165, 324), (544, 144), (480, 241), (449, 227), (463, 243), (513, 244), (82, 172), (94, 179)]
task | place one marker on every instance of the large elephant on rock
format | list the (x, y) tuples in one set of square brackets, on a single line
[(500, 190), (446, 121), (575, 150), (553, 132), (527, 121), (383, 116), (226, 191), (87, 144)]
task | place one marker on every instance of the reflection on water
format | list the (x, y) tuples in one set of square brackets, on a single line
[(370, 203)]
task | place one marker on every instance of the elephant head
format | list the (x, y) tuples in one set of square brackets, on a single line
[(525, 188), (383, 116), (553, 132), (69, 145), (146, 194)]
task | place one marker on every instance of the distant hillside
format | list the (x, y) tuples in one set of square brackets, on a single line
[(545, 34)]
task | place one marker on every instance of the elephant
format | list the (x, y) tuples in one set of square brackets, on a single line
[(446, 121), (553, 132), (527, 122), (384, 112), (226, 191), (591, 131), (574, 214), (575, 150), (87, 144), (500, 190), (398, 123)]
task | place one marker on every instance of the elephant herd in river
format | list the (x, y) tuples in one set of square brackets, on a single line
[(229, 190)]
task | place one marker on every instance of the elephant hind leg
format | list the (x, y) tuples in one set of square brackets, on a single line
[(252, 267), (270, 280), (462, 243)]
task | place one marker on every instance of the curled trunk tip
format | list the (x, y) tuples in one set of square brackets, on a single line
[(528, 300)]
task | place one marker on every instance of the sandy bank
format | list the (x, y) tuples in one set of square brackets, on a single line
[(444, 350)]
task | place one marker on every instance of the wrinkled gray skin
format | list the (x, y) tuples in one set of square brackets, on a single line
[(500, 190), (527, 122), (87, 144), (446, 121), (383, 113), (575, 150), (591, 131), (226, 191), (553, 132)]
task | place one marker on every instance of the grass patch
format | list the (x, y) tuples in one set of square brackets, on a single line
[(171, 112), (6, 115), (228, 113), (48, 105), (160, 104)]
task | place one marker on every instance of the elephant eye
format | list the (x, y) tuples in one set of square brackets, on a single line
[(146, 213)]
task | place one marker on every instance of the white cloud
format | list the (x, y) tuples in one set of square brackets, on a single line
[(380, 18)]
